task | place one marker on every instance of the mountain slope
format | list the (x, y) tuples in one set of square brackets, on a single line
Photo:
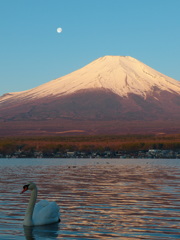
[(121, 75), (111, 88)]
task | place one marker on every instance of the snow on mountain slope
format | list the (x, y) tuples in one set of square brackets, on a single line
[(121, 75)]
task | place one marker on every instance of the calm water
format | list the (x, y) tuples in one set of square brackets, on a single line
[(99, 199)]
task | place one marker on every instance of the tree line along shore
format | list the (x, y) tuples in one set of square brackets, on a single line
[(54, 145)]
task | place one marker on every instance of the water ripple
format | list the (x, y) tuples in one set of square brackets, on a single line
[(97, 201)]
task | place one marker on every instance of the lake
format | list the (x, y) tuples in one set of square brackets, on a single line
[(98, 198)]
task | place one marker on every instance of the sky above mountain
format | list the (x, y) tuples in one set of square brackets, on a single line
[(33, 52)]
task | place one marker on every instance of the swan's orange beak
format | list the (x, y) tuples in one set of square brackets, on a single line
[(24, 190)]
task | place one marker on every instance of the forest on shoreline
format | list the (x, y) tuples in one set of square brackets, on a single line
[(9, 145)]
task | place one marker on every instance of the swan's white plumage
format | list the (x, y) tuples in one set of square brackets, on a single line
[(43, 212)]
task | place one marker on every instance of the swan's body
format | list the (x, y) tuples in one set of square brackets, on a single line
[(43, 212)]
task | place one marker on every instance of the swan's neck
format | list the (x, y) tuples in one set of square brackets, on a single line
[(29, 211)]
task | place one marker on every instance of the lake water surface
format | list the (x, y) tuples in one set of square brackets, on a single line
[(99, 198)]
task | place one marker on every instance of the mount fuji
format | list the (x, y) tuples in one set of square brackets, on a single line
[(111, 95)]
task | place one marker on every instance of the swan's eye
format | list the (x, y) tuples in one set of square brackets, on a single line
[(25, 187)]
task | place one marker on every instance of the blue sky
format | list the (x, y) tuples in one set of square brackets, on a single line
[(32, 52)]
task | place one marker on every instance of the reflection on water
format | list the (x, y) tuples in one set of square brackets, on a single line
[(44, 232), (133, 199)]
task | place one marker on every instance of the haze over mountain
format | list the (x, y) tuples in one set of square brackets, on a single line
[(111, 95)]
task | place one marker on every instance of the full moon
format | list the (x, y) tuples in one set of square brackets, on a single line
[(59, 30)]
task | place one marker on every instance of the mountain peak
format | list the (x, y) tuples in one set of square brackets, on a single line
[(121, 75), (112, 95), (118, 58)]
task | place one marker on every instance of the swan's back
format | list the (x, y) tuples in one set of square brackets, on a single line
[(45, 213)]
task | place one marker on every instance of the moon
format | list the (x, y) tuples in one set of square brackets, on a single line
[(59, 30)]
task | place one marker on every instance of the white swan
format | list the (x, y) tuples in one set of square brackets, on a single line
[(43, 212)]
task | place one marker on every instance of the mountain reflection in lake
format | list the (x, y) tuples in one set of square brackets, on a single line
[(99, 199)]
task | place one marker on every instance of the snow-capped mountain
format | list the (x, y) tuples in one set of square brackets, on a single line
[(111, 88), (121, 75)]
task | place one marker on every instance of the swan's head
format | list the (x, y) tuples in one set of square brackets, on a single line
[(29, 186)]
